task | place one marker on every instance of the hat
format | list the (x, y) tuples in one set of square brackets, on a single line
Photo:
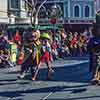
[(45, 36), (36, 35)]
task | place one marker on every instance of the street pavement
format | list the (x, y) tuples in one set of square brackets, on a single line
[(70, 82)]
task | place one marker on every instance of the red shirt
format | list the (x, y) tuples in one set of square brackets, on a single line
[(74, 41), (54, 46), (17, 38)]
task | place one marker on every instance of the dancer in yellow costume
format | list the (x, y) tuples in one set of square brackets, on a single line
[(13, 52)]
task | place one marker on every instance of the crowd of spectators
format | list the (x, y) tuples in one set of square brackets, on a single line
[(70, 44), (63, 44)]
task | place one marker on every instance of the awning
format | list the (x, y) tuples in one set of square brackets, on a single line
[(40, 27), (47, 27), (25, 26)]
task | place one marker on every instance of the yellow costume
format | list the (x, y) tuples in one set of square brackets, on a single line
[(37, 44), (13, 52)]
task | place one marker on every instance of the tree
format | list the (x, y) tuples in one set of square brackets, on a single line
[(33, 7)]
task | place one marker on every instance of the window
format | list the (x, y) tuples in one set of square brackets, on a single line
[(42, 13), (67, 11), (14, 4), (87, 11), (76, 11)]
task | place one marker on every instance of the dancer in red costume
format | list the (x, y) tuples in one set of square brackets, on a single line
[(46, 56)]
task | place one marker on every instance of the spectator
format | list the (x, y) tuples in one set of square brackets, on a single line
[(54, 50), (17, 38)]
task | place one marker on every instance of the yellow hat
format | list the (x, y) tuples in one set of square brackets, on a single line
[(45, 36)]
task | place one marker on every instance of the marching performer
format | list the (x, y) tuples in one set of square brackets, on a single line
[(46, 56), (95, 70), (30, 58), (94, 50)]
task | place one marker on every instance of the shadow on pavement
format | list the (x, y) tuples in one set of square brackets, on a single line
[(79, 90), (53, 89), (17, 99), (13, 72), (9, 80), (11, 83), (78, 98), (74, 73)]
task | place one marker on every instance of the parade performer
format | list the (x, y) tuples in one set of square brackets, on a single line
[(94, 51), (95, 68), (46, 56), (30, 60), (97, 73)]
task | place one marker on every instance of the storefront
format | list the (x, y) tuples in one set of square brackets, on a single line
[(78, 25)]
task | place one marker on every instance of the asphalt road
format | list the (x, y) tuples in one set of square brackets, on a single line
[(70, 82)]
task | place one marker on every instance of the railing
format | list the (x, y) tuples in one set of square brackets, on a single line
[(47, 21), (68, 21)]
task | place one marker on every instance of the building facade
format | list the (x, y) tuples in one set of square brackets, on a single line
[(17, 11), (3, 12), (12, 11), (75, 11), (97, 5), (72, 11), (47, 10), (79, 13)]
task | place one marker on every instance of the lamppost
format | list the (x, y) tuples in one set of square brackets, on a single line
[(55, 13)]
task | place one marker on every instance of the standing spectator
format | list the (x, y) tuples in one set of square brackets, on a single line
[(3, 42), (17, 38), (82, 44), (54, 50), (74, 44), (70, 37)]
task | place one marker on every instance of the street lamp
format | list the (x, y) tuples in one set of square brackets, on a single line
[(55, 14), (56, 11), (34, 10)]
